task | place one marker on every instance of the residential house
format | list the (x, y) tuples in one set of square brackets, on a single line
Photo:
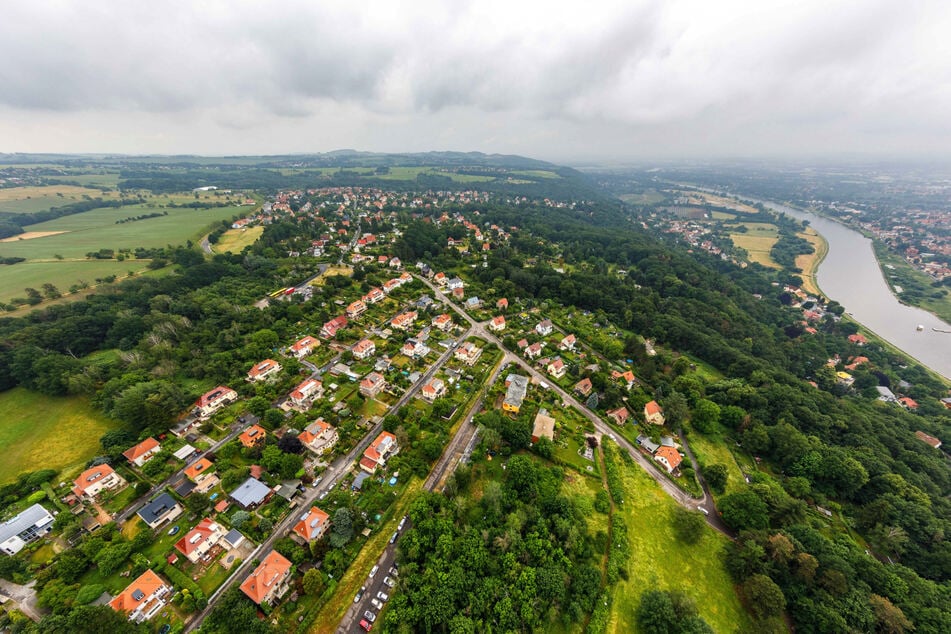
[(312, 525), (440, 279), (556, 368), (143, 598), (653, 413), (521, 344), (253, 436), (567, 343), (502, 304), (583, 387), (403, 321), (468, 353), (142, 452), (669, 457), (251, 494), (443, 322), (329, 330), (929, 439), (364, 349), (303, 347), (405, 278), (95, 480), (374, 295), (455, 283), (201, 472), (390, 285), (213, 400), (858, 339), (319, 436), (885, 394), (415, 349), (263, 370), (534, 351), (197, 542), (24, 527), (516, 387), (619, 415), (372, 385), (458, 293), (356, 309), (473, 303), (497, 324), (544, 328), (162, 509), (908, 403), (306, 392), (627, 377), (436, 388), (269, 581), (647, 444), (380, 450), (544, 426)]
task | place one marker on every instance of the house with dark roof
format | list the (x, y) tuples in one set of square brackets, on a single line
[(24, 527), (251, 494), (162, 509)]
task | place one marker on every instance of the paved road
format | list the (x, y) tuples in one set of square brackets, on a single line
[(337, 469), (602, 428), (24, 597), (205, 245)]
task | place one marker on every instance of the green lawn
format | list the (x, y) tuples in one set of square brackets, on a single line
[(31, 199), (659, 560), (40, 432), (63, 274), (715, 450)]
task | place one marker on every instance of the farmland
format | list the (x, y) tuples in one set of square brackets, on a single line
[(234, 240), (758, 239), (47, 432), (21, 200)]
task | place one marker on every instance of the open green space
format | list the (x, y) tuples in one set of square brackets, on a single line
[(20, 200), (47, 432), (712, 450), (234, 240), (917, 286), (659, 560), (410, 173), (61, 274), (537, 173), (106, 179), (647, 197)]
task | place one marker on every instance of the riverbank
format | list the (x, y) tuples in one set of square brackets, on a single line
[(809, 263)]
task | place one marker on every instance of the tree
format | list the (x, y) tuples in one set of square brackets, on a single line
[(290, 444), (313, 581), (341, 530), (763, 597), (240, 518), (688, 525), (111, 557), (889, 616), (706, 416), (716, 476), (234, 613), (744, 510), (675, 407)]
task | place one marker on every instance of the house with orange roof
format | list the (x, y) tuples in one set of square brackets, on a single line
[(669, 457), (458, 293), (213, 400), (619, 415), (468, 353), (415, 349), (583, 387), (197, 542), (201, 472), (502, 304), (95, 480), (404, 320), (567, 342), (436, 388), (497, 324), (380, 450), (855, 362), (253, 436), (443, 322), (263, 370), (312, 525), (329, 329), (858, 339), (356, 309), (557, 368), (320, 436), (372, 385), (269, 581), (390, 285), (143, 598), (440, 278), (304, 347), (534, 351), (363, 349), (374, 295), (142, 452), (653, 413), (929, 439), (305, 392), (908, 402), (627, 377)]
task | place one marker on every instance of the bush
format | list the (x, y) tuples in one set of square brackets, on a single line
[(88, 594)]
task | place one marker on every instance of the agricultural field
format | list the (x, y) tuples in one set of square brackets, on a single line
[(758, 240), (47, 432), (105, 179), (648, 197), (234, 240), (659, 560), (61, 274), (21, 200)]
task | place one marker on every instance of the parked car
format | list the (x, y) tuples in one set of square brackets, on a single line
[(394, 572), (382, 596), (365, 625), (370, 616), (376, 603), (373, 571), (402, 523), (359, 596), (174, 530), (394, 537), (388, 582)]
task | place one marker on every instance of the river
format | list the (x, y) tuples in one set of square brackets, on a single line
[(850, 274)]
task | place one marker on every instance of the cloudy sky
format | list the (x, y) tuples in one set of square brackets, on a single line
[(571, 82)]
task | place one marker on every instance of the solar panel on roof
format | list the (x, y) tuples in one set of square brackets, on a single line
[(138, 595)]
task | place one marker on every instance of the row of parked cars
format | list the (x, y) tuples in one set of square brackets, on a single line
[(381, 597)]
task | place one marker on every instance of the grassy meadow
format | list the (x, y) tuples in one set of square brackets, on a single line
[(659, 560), (234, 240), (21, 200), (758, 240), (46, 432)]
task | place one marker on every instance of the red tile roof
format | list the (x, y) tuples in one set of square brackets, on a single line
[(144, 447), (266, 576)]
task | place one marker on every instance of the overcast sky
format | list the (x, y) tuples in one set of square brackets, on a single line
[(569, 82)]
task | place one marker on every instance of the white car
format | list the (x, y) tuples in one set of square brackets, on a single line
[(382, 596), (373, 571), (388, 582), (376, 603), (369, 616)]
